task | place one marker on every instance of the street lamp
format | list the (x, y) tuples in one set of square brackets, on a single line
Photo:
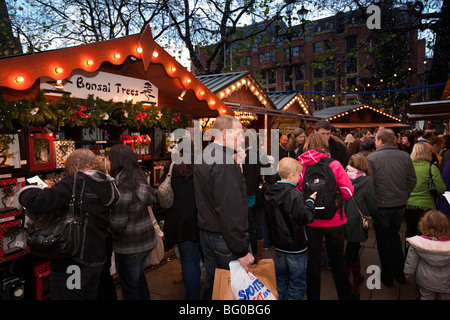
[(302, 14), (290, 34)]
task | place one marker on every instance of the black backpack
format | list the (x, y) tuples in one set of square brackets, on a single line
[(319, 177)]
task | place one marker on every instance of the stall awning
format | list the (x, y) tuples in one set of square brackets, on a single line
[(430, 110), (269, 112), (369, 125), (19, 75)]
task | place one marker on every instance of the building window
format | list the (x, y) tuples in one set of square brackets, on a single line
[(299, 72), (352, 83), (297, 75), (330, 86), (324, 45), (351, 65), (268, 77), (272, 76), (266, 57), (318, 70), (351, 43), (296, 51)]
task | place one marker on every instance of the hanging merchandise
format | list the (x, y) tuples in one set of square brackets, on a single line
[(41, 150)]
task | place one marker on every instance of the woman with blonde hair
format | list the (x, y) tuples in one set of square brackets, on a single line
[(421, 199)]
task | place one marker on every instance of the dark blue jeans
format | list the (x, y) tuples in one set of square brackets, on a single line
[(290, 270), (190, 265), (387, 224), (216, 255), (131, 270)]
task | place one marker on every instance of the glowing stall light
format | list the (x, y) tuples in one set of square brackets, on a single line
[(19, 79)]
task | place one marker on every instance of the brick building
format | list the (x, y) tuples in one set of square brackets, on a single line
[(325, 55)]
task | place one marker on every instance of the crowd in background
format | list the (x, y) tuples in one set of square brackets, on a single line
[(226, 212)]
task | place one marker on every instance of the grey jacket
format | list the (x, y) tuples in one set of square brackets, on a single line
[(393, 174), (131, 226), (429, 260)]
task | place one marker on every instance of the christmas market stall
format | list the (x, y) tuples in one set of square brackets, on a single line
[(435, 113), (252, 106), (294, 112), (356, 117), (122, 91)]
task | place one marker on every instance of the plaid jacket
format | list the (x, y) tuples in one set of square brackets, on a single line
[(132, 229)]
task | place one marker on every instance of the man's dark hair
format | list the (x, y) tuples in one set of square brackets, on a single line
[(363, 132), (325, 124)]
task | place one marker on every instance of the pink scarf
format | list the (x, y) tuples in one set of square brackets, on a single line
[(354, 173)]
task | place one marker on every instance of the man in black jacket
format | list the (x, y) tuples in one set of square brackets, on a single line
[(221, 200)]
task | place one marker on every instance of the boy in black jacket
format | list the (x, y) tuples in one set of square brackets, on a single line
[(288, 213)]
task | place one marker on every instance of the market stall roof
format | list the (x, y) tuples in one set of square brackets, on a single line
[(241, 92), (21, 73), (356, 116), (229, 88), (431, 110), (283, 100)]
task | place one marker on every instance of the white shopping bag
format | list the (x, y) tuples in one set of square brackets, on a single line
[(245, 286)]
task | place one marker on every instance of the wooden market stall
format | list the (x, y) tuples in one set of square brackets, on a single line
[(241, 93), (294, 112), (356, 117), (122, 91), (432, 110)]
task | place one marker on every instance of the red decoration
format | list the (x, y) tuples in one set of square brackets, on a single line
[(176, 116), (141, 116), (80, 113)]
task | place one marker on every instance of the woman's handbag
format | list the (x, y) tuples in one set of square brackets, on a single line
[(157, 254), (431, 186), (165, 192), (60, 235), (367, 221)]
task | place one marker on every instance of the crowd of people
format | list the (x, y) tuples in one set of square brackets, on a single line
[(225, 210)]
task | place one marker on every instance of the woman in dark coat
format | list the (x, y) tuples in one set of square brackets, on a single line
[(99, 197), (364, 195), (180, 226), (132, 229)]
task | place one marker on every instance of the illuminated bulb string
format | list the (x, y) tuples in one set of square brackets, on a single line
[(364, 92)]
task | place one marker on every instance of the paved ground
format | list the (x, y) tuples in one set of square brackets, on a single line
[(162, 286)]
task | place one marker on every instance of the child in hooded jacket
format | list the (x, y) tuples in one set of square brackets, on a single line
[(287, 214), (428, 257)]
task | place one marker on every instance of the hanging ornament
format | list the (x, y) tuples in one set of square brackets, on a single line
[(34, 111), (159, 115), (141, 116), (176, 116), (80, 113)]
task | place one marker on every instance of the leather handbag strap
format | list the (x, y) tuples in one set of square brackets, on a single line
[(362, 215), (170, 169)]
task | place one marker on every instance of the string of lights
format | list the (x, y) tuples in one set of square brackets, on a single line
[(364, 92)]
